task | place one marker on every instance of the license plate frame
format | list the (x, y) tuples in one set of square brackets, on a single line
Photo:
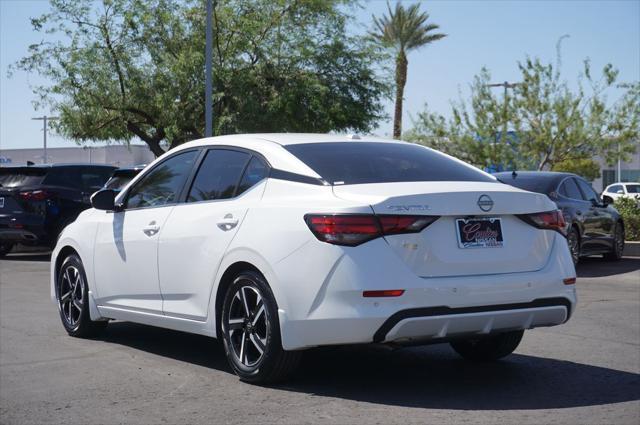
[(479, 232)]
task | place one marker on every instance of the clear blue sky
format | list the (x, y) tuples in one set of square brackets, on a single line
[(495, 34)]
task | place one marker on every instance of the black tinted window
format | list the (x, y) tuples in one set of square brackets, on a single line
[(587, 191), (163, 184), (376, 162), (256, 171), (569, 189), (78, 177), (633, 188), (615, 188), (218, 175)]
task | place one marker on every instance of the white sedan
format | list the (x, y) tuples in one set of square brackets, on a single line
[(281, 242)]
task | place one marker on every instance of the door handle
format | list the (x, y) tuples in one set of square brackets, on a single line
[(228, 222), (151, 229)]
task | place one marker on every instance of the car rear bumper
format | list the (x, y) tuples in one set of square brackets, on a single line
[(17, 235), (330, 308)]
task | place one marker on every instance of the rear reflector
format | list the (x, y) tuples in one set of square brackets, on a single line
[(34, 195), (384, 293), (550, 220), (355, 229), (569, 281)]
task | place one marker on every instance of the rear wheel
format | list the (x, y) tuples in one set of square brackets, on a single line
[(573, 239), (489, 348), (618, 244), (5, 248), (72, 294), (251, 332)]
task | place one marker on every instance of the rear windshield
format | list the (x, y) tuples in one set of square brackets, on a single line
[(536, 184), (18, 177), (377, 162)]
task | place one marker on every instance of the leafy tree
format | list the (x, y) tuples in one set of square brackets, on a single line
[(585, 167), (404, 30), (124, 68), (551, 125)]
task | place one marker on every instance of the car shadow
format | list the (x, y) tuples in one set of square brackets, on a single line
[(426, 377), (599, 267)]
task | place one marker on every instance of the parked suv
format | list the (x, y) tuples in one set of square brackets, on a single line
[(594, 226), (37, 202)]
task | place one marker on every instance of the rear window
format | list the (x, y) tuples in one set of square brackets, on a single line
[(376, 162), (18, 177), (536, 184)]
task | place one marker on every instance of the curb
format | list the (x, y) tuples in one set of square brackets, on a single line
[(632, 249)]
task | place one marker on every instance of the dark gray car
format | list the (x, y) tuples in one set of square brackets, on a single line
[(594, 226)]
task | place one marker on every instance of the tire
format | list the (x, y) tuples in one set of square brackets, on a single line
[(72, 294), (489, 348), (573, 239), (5, 248), (618, 244), (249, 325)]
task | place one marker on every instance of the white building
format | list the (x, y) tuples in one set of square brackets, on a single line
[(118, 155)]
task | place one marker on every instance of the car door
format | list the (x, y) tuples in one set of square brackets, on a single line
[(599, 220), (126, 247), (198, 231)]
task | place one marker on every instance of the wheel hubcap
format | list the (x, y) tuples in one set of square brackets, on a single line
[(247, 324), (573, 245), (71, 295)]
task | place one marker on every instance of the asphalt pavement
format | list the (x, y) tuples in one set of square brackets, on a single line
[(586, 371)]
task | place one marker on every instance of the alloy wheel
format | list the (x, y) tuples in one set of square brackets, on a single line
[(247, 324), (71, 295), (574, 246)]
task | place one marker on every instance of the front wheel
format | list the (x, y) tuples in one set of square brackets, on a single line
[(251, 332), (618, 244), (72, 294), (489, 348)]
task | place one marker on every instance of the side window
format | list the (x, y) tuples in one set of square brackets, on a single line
[(570, 190), (587, 191), (218, 175), (163, 184), (64, 177), (93, 178), (256, 171), (615, 189)]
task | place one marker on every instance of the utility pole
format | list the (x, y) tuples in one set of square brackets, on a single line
[(507, 85), (44, 120), (208, 83)]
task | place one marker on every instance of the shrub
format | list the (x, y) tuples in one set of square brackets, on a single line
[(630, 212)]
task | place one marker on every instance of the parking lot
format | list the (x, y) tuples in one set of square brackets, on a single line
[(587, 371)]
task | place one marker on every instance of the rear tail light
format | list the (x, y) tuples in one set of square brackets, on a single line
[(35, 195), (569, 281), (551, 220), (355, 229)]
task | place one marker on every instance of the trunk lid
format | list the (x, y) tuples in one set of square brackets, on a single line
[(435, 252)]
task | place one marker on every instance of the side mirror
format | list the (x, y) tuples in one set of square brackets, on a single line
[(104, 200)]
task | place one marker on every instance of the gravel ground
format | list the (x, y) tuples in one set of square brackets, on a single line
[(587, 371)]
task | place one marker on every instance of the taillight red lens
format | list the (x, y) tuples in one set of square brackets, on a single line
[(35, 195), (352, 230), (551, 220), (383, 293)]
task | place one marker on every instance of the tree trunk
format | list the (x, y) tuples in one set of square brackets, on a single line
[(401, 80)]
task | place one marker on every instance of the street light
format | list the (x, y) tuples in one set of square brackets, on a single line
[(44, 120), (208, 106)]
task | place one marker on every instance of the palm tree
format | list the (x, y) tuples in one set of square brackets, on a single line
[(404, 30)]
